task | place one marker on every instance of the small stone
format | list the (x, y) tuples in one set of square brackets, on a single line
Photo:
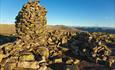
[(69, 61), (58, 60), (76, 61), (1, 57), (25, 64), (10, 66), (43, 51), (26, 57)]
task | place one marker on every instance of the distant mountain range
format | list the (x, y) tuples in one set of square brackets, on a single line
[(89, 29), (97, 29)]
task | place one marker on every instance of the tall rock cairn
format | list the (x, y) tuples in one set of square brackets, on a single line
[(31, 23)]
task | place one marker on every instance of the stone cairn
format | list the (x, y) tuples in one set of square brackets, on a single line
[(31, 24), (36, 48)]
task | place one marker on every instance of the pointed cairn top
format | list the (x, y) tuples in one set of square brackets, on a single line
[(33, 1)]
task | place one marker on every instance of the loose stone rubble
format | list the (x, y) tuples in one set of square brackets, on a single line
[(36, 48)]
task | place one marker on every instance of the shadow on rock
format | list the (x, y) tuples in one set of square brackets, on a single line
[(6, 39)]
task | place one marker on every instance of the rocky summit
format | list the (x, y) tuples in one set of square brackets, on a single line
[(38, 48)]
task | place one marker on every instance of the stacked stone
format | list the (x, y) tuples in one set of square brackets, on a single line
[(31, 30), (59, 53), (57, 41), (26, 52), (31, 23), (85, 45), (104, 37), (14, 57), (82, 44)]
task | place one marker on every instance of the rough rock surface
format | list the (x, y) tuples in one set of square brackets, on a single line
[(36, 48)]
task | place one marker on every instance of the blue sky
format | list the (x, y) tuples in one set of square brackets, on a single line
[(99, 13)]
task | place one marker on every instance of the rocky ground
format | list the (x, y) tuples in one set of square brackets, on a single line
[(84, 65)]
